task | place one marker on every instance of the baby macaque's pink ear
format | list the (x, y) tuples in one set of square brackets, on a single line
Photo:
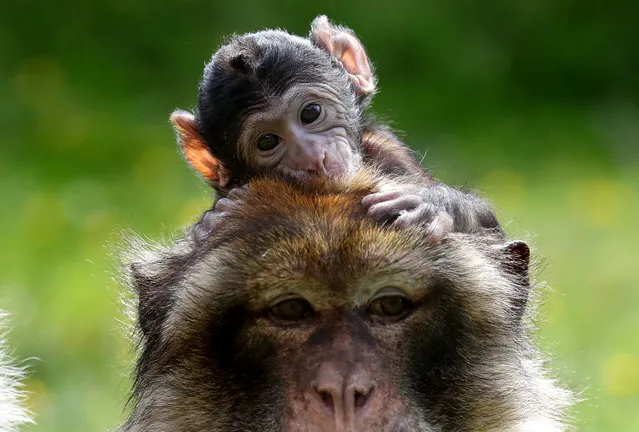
[(342, 44), (196, 151)]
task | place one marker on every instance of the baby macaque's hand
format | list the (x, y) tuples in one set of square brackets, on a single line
[(405, 208), (214, 217)]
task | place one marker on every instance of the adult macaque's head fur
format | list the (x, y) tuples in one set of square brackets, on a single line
[(251, 73), (300, 313)]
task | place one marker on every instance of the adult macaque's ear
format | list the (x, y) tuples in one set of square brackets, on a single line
[(196, 151), (343, 45), (517, 262), (517, 258)]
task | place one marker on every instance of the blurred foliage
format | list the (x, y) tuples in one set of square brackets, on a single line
[(535, 103)]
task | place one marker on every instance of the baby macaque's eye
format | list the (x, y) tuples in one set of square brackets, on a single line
[(268, 142), (310, 113)]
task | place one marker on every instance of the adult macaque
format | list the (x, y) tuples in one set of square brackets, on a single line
[(271, 103), (300, 313)]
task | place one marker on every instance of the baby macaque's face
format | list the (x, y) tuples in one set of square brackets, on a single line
[(305, 132)]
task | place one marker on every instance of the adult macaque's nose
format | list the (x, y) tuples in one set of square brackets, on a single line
[(343, 395)]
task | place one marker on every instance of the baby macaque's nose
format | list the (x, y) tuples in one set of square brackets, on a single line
[(317, 165), (310, 159)]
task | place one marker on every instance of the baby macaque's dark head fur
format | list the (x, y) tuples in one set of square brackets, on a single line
[(250, 70)]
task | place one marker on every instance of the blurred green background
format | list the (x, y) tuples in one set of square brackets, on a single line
[(535, 103)]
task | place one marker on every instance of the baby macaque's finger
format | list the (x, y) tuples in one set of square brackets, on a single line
[(441, 225), (200, 233), (388, 209), (439, 222), (214, 217), (231, 199), (223, 204), (422, 214), (206, 225), (237, 193), (379, 197)]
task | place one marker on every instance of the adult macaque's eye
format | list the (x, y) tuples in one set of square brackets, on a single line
[(310, 113), (295, 309), (268, 142), (390, 306)]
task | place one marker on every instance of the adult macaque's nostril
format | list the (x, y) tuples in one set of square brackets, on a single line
[(327, 398), (329, 395), (361, 397)]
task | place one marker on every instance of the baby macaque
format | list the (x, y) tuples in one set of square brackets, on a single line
[(271, 103)]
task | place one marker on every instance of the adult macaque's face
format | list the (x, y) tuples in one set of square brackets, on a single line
[(305, 132)]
